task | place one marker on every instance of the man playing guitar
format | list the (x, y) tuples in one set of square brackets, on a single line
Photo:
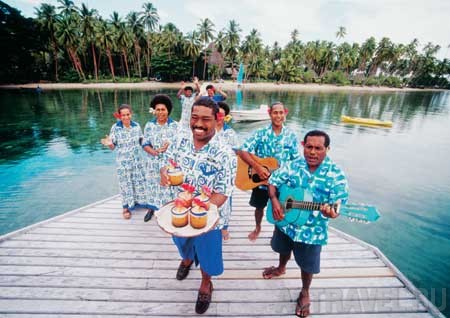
[(326, 182), (275, 140)]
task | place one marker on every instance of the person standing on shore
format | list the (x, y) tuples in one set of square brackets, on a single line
[(204, 162), (187, 96), (276, 141), (159, 133), (126, 138), (326, 182)]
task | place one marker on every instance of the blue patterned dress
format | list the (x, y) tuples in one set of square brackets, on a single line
[(327, 184), (130, 165), (155, 135), (186, 108)]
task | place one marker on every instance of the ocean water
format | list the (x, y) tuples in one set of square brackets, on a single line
[(51, 161)]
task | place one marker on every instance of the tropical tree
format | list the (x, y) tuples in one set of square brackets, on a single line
[(192, 48), (150, 19), (205, 29), (341, 33), (68, 36), (106, 39), (47, 20), (88, 30), (137, 33), (232, 41)]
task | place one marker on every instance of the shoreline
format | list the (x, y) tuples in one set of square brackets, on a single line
[(227, 85)]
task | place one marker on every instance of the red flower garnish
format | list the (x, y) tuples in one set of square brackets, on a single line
[(207, 191), (180, 203), (173, 163), (200, 203), (117, 115), (220, 116), (187, 187)]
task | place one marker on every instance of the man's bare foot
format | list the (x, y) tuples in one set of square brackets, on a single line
[(273, 271), (254, 234), (303, 304)]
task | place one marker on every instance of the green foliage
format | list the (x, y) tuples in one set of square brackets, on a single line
[(74, 44), (20, 40), (337, 78), (171, 70)]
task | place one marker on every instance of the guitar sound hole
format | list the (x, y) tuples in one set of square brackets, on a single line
[(256, 178), (288, 204)]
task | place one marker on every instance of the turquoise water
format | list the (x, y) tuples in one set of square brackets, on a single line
[(51, 161)]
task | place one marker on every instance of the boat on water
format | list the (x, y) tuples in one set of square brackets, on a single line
[(251, 115), (366, 121)]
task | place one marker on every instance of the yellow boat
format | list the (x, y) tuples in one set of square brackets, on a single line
[(366, 121)]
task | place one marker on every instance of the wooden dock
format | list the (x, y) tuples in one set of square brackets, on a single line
[(92, 263)]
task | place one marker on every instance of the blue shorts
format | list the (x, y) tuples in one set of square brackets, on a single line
[(205, 249), (259, 198), (307, 256)]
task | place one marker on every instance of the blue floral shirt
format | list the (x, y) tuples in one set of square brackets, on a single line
[(327, 184), (213, 166), (265, 143)]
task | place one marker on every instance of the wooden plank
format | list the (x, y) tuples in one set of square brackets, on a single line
[(154, 308), (33, 258), (169, 273), (192, 284), (373, 315), (137, 295)]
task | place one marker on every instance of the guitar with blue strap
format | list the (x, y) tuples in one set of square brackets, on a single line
[(297, 206)]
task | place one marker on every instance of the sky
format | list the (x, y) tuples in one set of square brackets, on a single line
[(400, 20)]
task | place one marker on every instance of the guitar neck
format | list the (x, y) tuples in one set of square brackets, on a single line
[(309, 206)]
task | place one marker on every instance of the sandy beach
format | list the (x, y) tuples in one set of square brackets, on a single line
[(226, 86)]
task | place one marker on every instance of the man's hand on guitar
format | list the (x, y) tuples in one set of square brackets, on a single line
[(328, 211), (262, 172), (277, 210)]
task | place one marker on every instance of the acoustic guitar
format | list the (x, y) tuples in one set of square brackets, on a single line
[(297, 206), (247, 178)]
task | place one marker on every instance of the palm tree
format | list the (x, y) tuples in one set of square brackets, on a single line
[(106, 39), (137, 31), (124, 42), (232, 41), (169, 37), (48, 19), (68, 36), (366, 53), (294, 36), (88, 26), (341, 33), (67, 8), (150, 19), (192, 48), (206, 34)]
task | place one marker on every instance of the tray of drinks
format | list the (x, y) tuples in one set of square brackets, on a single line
[(184, 223)]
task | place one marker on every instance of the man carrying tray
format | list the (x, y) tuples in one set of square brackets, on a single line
[(204, 161)]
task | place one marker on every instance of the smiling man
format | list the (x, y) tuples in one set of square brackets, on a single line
[(325, 182), (204, 162), (276, 141)]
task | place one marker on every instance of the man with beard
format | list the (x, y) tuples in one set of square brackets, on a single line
[(204, 161)]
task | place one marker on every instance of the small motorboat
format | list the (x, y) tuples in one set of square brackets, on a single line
[(366, 121), (251, 115)]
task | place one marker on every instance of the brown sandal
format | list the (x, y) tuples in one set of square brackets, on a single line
[(302, 310)]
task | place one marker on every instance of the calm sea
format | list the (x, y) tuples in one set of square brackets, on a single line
[(51, 161)]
